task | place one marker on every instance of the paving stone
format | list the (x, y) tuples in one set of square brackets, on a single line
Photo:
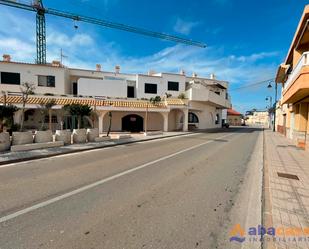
[(289, 198)]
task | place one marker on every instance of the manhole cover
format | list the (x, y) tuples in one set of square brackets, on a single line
[(289, 176)]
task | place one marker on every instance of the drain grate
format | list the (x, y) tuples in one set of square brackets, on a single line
[(289, 176)]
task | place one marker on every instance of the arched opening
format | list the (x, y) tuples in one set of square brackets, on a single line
[(132, 123), (193, 118)]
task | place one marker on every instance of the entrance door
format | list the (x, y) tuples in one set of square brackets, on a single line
[(132, 123)]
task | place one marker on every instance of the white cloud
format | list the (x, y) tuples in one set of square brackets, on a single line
[(184, 27), (55, 38)]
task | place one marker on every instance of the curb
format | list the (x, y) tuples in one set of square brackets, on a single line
[(267, 219), (88, 149)]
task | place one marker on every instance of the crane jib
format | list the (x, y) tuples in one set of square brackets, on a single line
[(41, 37)]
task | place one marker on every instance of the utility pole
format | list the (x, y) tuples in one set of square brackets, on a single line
[(275, 110)]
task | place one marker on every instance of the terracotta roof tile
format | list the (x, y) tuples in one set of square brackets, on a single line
[(233, 112), (87, 101)]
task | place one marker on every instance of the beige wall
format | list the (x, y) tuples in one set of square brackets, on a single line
[(155, 120), (234, 120)]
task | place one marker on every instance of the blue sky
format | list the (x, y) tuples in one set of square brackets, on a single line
[(246, 40)]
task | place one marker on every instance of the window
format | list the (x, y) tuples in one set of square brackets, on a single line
[(53, 119), (130, 91), (75, 88), (151, 88), (172, 86), (217, 92), (48, 81), (193, 118), (10, 78)]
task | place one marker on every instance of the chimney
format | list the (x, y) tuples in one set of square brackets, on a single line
[(151, 72), (98, 67), (7, 58), (56, 64), (182, 72), (117, 69), (212, 76), (194, 75)]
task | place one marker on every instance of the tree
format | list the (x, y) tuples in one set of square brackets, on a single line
[(80, 111), (49, 105), (6, 115), (26, 89), (110, 123)]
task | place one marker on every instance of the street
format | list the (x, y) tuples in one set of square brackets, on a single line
[(172, 193)]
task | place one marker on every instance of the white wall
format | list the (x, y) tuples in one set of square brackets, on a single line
[(110, 88), (161, 80), (29, 73)]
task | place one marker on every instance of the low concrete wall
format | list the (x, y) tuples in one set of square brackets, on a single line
[(5, 142), (63, 135), (43, 136), (35, 146), (19, 138), (79, 136), (92, 134)]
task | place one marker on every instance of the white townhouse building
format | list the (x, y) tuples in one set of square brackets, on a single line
[(125, 96)]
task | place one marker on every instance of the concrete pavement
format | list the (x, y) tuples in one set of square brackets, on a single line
[(173, 193)]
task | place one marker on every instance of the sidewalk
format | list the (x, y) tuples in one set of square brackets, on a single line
[(286, 202), (11, 157)]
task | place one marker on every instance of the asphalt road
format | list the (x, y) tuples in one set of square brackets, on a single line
[(170, 193)]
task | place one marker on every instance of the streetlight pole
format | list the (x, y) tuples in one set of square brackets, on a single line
[(270, 99)]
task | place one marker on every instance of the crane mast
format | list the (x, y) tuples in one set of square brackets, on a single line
[(40, 33), (37, 6)]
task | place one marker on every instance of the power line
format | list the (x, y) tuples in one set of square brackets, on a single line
[(253, 84)]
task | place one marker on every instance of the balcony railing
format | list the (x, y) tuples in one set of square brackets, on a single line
[(303, 61)]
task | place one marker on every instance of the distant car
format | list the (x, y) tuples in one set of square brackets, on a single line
[(225, 125)]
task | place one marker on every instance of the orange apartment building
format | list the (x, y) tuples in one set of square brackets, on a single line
[(293, 108)]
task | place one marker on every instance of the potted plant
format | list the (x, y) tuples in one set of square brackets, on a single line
[(6, 121), (63, 135), (23, 137), (81, 111)]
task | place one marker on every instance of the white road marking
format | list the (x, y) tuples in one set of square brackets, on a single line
[(100, 182), (89, 151)]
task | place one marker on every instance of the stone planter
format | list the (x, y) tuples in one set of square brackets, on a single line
[(43, 136), (92, 134), (5, 142), (22, 137), (63, 135), (79, 136)]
